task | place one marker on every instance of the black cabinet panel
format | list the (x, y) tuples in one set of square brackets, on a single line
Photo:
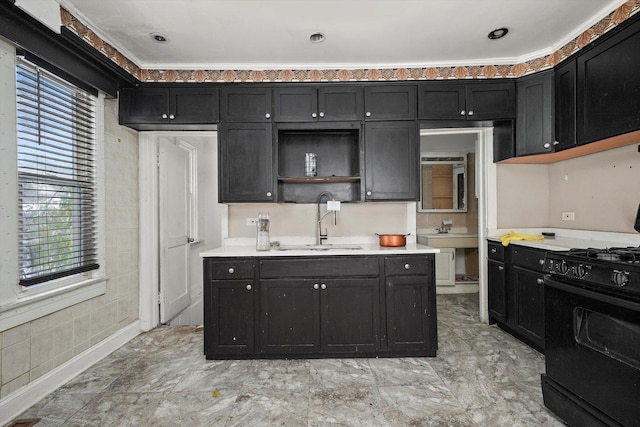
[(162, 108), (350, 313), (490, 101), (467, 101), (440, 101), (340, 103), (608, 94), (245, 104), (527, 317), (193, 105), (246, 167), (319, 267), (391, 161), (390, 102), (535, 124), (289, 316), (516, 291), (410, 313), (565, 105), (230, 315), (296, 104), (497, 291), (309, 103)]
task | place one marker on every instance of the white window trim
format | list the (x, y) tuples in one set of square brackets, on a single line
[(19, 305)]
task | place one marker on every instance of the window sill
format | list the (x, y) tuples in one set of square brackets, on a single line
[(33, 306)]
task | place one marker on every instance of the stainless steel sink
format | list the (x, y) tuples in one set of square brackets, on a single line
[(325, 247)]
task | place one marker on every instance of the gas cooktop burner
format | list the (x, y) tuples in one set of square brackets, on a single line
[(629, 255)]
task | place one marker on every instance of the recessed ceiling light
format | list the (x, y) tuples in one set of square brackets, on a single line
[(498, 33), (160, 38), (316, 37)]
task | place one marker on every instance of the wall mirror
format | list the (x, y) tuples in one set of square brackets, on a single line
[(443, 182)]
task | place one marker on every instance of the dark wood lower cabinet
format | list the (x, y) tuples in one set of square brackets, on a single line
[(363, 306), (516, 291), (231, 325), (410, 314), (289, 316)]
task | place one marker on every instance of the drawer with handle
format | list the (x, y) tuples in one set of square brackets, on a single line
[(229, 269), (416, 265)]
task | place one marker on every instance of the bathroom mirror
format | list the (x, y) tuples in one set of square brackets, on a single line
[(443, 182)]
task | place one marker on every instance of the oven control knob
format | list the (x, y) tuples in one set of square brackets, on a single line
[(620, 278), (581, 271), (562, 267)]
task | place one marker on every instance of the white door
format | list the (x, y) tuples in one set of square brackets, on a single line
[(174, 186)]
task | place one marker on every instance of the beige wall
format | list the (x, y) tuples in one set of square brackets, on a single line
[(523, 196), (354, 219), (603, 190), (30, 350)]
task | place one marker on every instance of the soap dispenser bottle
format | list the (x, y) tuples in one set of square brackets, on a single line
[(262, 239)]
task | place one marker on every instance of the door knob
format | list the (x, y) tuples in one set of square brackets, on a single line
[(323, 286), (268, 116), (248, 287), (316, 286)]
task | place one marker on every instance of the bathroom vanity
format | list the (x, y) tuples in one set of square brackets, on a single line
[(343, 301)]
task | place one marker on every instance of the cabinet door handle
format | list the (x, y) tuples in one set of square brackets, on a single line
[(470, 113), (369, 193), (321, 113), (268, 116), (316, 286), (556, 142), (314, 115), (368, 114), (463, 112), (232, 270), (407, 266), (171, 116), (540, 281), (164, 116), (268, 193), (500, 267), (541, 261), (323, 286), (248, 287), (547, 145), (453, 256), (494, 250)]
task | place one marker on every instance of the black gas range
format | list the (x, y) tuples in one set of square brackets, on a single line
[(592, 336), (611, 270)]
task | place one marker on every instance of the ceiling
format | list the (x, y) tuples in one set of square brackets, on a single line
[(269, 34)]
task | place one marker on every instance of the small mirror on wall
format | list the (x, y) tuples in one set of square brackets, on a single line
[(443, 182)]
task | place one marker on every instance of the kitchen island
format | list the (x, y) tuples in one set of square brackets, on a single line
[(307, 301)]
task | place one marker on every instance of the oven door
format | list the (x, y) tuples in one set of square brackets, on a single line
[(592, 350)]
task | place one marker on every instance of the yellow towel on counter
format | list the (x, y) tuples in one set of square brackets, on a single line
[(512, 235)]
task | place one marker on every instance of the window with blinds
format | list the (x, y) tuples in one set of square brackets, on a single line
[(56, 177)]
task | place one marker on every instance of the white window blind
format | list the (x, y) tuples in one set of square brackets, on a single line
[(56, 177)]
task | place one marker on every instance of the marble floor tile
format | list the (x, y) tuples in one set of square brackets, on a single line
[(480, 377)]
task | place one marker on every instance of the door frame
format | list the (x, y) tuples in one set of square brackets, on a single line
[(148, 239), (486, 191)]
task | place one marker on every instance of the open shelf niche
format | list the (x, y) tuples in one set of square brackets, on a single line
[(338, 164)]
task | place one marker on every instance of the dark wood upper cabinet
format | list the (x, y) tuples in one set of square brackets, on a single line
[(565, 105), (171, 108), (245, 163), (245, 104), (311, 104), (391, 160), (467, 101), (535, 121), (608, 94), (390, 102)]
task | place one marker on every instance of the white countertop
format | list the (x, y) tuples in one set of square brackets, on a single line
[(367, 249), (568, 239)]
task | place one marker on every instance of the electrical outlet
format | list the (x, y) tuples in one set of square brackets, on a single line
[(251, 222), (568, 216)]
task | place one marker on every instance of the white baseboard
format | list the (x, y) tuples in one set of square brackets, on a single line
[(27, 396)]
